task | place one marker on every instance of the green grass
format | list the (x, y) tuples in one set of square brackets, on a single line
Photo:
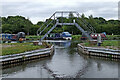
[(105, 43), (19, 48), (76, 37), (33, 36), (110, 37), (111, 43), (88, 44)]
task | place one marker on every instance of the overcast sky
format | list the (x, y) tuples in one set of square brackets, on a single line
[(39, 10)]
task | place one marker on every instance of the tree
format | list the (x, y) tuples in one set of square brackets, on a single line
[(82, 16), (71, 16), (16, 24), (92, 22), (6, 27), (40, 23), (33, 29)]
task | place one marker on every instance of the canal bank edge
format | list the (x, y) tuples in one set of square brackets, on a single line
[(26, 56), (99, 52)]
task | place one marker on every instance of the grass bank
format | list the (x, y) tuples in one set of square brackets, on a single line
[(14, 48), (113, 37), (106, 44), (32, 36), (76, 37)]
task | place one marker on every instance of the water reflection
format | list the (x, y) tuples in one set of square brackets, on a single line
[(67, 63), (99, 66), (64, 44)]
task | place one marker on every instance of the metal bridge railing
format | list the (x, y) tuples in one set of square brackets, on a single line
[(88, 25), (47, 22), (79, 20)]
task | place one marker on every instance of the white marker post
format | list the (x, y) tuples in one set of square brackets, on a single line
[(74, 20), (99, 40)]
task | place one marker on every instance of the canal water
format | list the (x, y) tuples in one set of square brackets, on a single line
[(65, 63)]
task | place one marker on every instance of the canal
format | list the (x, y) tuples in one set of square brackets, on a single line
[(65, 63)]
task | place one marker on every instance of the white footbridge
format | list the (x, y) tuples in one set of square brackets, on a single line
[(58, 18)]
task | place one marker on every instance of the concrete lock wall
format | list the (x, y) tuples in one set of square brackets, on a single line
[(26, 56), (99, 52)]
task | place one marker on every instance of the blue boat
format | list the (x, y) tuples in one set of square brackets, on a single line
[(66, 36), (59, 36), (12, 37)]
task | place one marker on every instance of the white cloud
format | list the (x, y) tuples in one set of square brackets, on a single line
[(41, 9), (56, 1), (89, 12)]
